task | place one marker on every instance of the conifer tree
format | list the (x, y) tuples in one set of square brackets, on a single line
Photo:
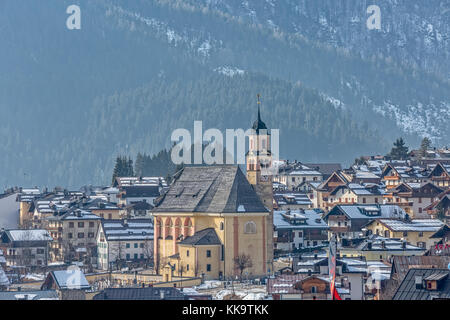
[(424, 146), (399, 151)]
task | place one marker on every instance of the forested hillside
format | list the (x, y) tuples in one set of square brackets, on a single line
[(72, 100)]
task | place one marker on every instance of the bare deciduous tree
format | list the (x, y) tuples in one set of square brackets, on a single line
[(117, 251), (148, 253), (242, 262)]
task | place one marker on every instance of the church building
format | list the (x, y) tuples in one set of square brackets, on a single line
[(213, 214)]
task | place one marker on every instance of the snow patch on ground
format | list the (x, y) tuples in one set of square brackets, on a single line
[(201, 43), (426, 121), (229, 71), (244, 295), (338, 104), (208, 285)]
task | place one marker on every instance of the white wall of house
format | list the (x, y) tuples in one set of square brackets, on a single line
[(9, 212)]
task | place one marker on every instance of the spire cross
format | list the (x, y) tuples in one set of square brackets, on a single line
[(259, 104)]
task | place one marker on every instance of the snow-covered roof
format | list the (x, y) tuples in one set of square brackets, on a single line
[(310, 219), (135, 229), (29, 235), (418, 225), (70, 279), (305, 173), (370, 211)]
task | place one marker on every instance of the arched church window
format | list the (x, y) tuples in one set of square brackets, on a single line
[(250, 227)]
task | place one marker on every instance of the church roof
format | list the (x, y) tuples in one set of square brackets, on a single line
[(259, 124), (203, 237), (213, 189)]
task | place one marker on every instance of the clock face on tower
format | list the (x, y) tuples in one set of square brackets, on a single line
[(264, 178)]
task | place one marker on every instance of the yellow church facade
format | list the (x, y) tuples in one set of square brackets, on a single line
[(210, 216)]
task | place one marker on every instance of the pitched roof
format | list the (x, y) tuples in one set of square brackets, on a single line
[(140, 191), (325, 168), (416, 225), (99, 204), (132, 229), (311, 219), (29, 295), (378, 243), (214, 189), (202, 237), (409, 291), (355, 211), (70, 279), (402, 264), (152, 293), (28, 235), (74, 214)]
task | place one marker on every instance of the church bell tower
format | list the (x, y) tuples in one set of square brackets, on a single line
[(259, 162)]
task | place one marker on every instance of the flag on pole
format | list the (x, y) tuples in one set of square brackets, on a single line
[(332, 267)]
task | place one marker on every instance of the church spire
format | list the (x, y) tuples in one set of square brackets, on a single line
[(259, 105), (259, 124)]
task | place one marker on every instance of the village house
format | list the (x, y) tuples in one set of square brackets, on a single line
[(109, 194), (414, 198), (440, 208), (26, 200), (25, 248), (417, 231), (377, 248), (440, 175), (350, 273), (393, 175), (70, 284), (101, 208), (431, 156), (354, 193), (302, 287), (378, 275), (291, 200), (292, 174), (322, 193), (424, 284), (4, 281), (401, 266), (136, 189), (137, 210), (122, 241), (52, 203), (74, 232), (299, 229), (347, 221)]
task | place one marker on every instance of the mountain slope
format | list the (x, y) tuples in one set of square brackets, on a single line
[(72, 100)]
